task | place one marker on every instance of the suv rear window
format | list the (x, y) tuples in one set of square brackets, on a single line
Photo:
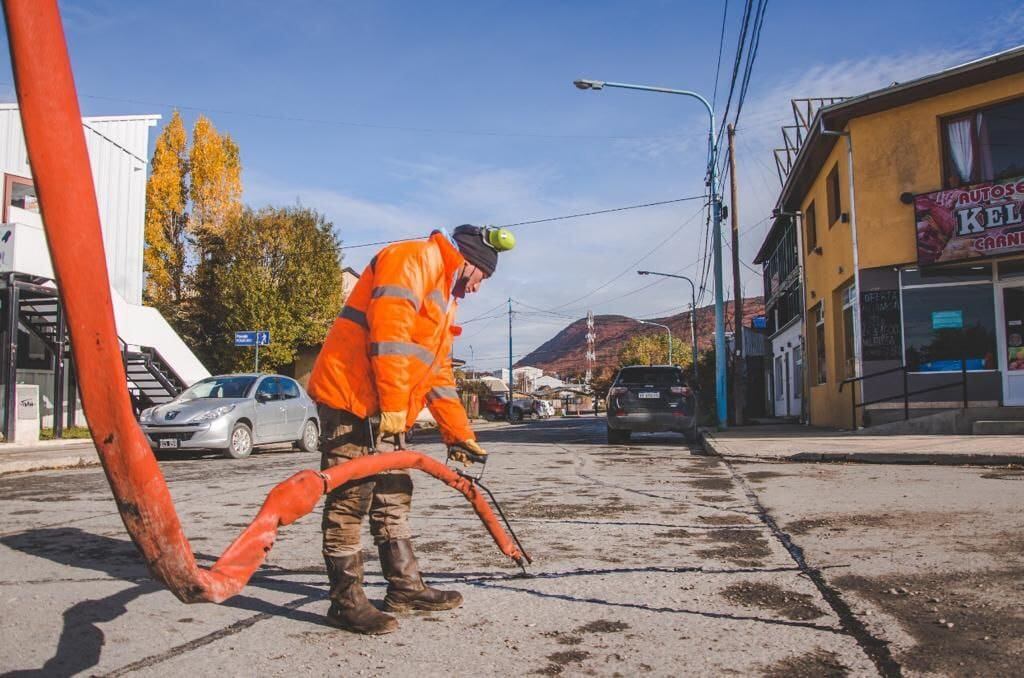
[(655, 376)]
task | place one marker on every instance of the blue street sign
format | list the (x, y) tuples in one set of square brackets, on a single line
[(258, 338), (245, 338)]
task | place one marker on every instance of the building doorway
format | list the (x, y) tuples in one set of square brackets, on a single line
[(1011, 340)]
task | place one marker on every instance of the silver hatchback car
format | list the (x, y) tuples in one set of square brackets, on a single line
[(234, 413)]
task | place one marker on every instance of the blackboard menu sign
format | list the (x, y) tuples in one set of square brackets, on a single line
[(880, 324)]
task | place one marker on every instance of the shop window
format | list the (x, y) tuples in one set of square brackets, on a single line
[(946, 324), (984, 145), (811, 225), (832, 194), (820, 364), (21, 193), (847, 298)]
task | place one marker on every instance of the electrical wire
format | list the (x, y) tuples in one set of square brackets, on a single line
[(359, 124), (721, 43), (632, 265), (563, 217)]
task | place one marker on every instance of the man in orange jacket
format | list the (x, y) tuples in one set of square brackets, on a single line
[(389, 354)]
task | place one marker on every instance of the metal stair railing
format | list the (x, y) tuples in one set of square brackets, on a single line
[(905, 395)]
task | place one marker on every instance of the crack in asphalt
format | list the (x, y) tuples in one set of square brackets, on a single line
[(661, 610), (876, 649), (230, 630)]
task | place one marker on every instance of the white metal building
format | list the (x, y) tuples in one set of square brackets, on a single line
[(157, 360)]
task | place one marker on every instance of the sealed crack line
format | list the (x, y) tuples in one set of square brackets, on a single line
[(230, 630), (660, 610), (876, 649)]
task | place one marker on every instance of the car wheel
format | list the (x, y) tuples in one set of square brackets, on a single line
[(240, 443), (310, 441), (617, 437)]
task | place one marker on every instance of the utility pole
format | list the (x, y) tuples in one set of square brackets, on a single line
[(591, 352), (739, 372), (510, 380)]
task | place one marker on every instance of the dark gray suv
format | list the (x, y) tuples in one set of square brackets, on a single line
[(651, 399)]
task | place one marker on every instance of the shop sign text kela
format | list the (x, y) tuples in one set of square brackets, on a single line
[(984, 220)]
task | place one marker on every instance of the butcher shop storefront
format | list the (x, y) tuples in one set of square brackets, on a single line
[(970, 247)]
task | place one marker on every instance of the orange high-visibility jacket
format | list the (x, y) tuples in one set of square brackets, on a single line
[(389, 348)]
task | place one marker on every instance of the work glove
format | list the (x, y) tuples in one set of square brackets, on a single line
[(392, 423), (467, 452)]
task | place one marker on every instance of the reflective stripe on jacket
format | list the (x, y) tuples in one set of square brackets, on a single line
[(390, 347)]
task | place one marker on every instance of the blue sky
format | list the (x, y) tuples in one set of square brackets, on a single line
[(397, 117)]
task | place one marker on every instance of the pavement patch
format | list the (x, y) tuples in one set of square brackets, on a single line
[(962, 622), (715, 484), (816, 664), (791, 605), (745, 548), (724, 520), (561, 660)]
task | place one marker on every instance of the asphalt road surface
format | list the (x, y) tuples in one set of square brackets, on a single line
[(649, 559)]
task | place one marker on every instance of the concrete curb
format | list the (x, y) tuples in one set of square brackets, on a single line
[(908, 458), (48, 464)]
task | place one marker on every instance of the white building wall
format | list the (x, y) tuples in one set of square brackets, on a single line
[(118, 153)]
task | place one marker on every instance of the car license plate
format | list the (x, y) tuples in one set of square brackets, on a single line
[(649, 394), (169, 443)]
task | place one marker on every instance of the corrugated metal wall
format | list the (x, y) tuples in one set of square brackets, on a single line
[(119, 154)]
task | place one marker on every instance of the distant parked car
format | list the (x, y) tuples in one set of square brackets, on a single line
[(496, 407), (651, 400), (234, 413), (543, 408)]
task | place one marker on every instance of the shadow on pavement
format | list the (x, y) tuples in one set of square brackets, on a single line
[(81, 640)]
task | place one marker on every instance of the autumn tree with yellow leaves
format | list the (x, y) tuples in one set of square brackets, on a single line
[(214, 267)]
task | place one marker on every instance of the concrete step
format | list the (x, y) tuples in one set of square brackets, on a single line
[(998, 427)]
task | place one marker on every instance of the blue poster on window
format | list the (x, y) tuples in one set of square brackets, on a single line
[(942, 320)]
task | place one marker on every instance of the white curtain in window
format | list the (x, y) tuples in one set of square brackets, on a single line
[(985, 170), (961, 147)]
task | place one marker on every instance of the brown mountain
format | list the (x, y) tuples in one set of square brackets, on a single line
[(565, 353)]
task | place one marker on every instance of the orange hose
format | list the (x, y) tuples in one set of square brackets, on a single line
[(63, 179)]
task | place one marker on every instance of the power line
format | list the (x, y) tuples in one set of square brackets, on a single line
[(721, 43), (564, 217), (630, 267), (755, 42), (359, 124)]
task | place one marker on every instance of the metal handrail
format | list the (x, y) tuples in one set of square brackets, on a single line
[(962, 382)]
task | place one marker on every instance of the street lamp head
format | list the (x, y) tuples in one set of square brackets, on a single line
[(588, 84), (643, 272)]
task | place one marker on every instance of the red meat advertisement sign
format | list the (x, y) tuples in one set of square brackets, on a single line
[(984, 220)]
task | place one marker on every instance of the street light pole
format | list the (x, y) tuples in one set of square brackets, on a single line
[(693, 316), (667, 329), (721, 393)]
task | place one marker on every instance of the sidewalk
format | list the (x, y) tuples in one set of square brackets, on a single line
[(48, 454), (786, 442)]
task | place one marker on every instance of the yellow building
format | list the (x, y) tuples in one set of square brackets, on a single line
[(908, 202)]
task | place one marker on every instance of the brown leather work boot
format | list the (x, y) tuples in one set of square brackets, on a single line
[(406, 590), (350, 610)]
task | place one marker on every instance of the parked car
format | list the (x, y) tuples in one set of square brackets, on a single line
[(651, 400), (234, 413), (543, 408), (495, 407)]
